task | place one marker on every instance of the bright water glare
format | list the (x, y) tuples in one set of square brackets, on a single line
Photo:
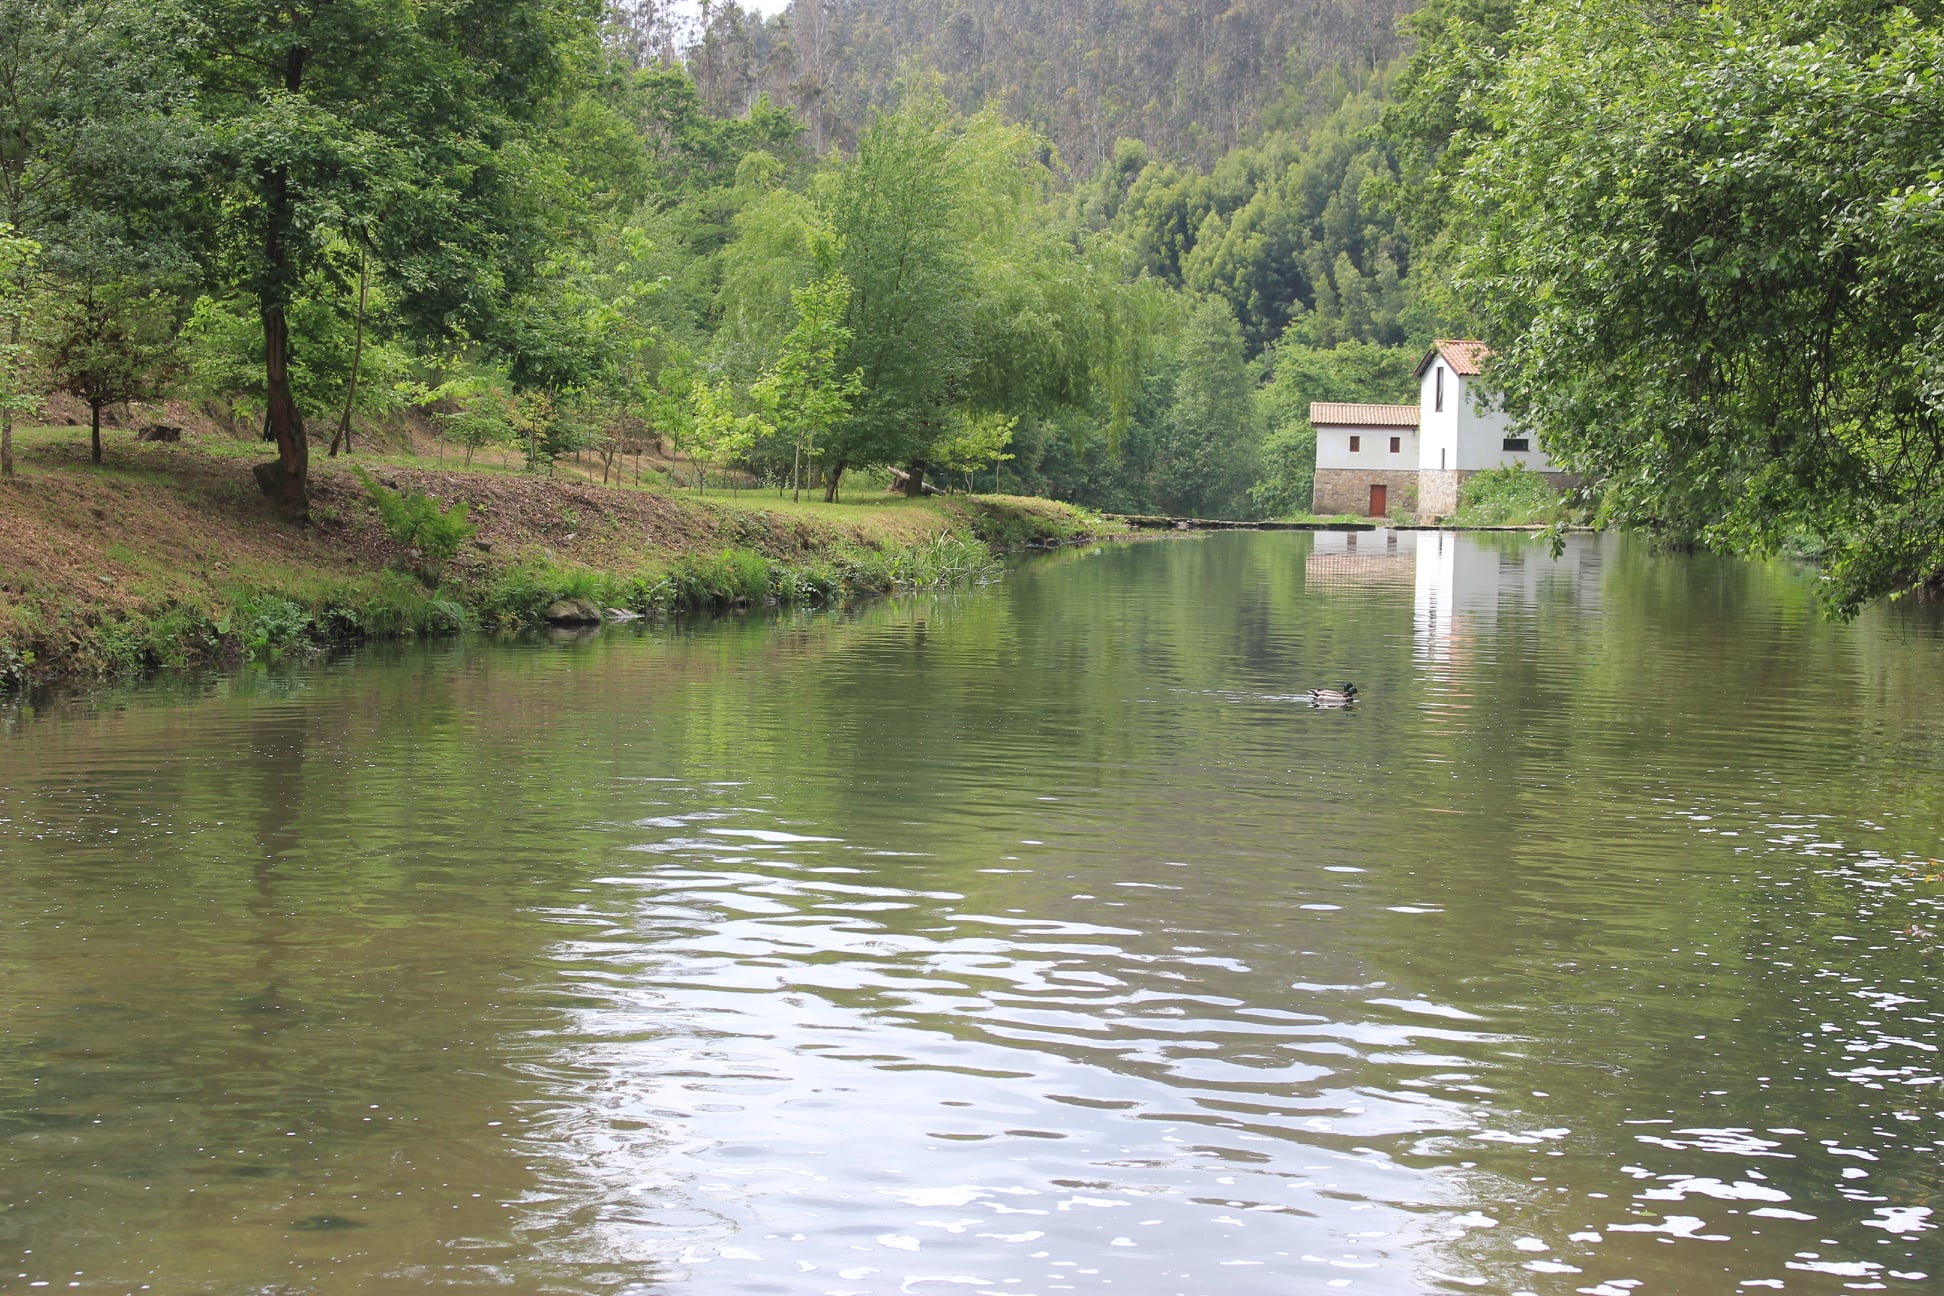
[(1033, 939)]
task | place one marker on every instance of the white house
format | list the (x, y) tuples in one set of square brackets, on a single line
[(1454, 427), (1461, 433), (1366, 458)]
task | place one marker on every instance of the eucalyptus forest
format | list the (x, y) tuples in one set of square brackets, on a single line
[(1103, 253)]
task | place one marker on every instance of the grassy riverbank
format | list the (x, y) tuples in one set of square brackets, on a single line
[(166, 556)]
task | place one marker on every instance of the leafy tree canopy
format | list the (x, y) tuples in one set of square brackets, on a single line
[(1707, 246)]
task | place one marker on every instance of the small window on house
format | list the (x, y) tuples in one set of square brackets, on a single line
[(1518, 443), (1356, 444), (1397, 445), (1437, 380)]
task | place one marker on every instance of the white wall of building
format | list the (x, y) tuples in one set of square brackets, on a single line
[(1438, 420), (1482, 431), (1373, 451), (1467, 434)]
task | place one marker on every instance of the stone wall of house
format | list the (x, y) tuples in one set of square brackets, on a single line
[(1347, 490)]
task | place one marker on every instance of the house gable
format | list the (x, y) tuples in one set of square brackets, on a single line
[(1463, 356)]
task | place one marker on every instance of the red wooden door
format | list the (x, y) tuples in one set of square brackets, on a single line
[(1379, 501)]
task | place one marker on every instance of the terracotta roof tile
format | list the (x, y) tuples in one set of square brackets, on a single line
[(1464, 355), (1339, 414)]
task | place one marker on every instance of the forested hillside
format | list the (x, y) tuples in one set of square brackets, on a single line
[(1191, 79), (1232, 153)]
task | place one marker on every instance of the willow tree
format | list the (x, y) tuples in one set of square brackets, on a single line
[(971, 297), (899, 215), (399, 122)]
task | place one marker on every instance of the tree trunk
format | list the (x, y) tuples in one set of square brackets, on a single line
[(6, 415), (914, 482), (357, 356), (284, 478), (796, 475), (830, 487), (94, 430)]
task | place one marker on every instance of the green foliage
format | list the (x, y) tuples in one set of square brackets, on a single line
[(946, 562), (1287, 483), (267, 625), (107, 341), (1510, 496), (976, 441), (1208, 452), (547, 427), (415, 520), (802, 391), (519, 593), (1293, 231), (1301, 374), (483, 415), (962, 296), (1187, 79), (401, 129), (17, 257), (725, 579), (386, 605), (942, 562), (691, 149), (898, 221), (1707, 245), (1014, 524), (1440, 108), (222, 348), (717, 434), (101, 161)]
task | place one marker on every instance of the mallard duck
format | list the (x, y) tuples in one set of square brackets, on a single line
[(1329, 697)]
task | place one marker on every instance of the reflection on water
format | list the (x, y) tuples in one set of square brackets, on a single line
[(1037, 939)]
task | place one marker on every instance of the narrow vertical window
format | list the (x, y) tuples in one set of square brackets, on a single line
[(1397, 444), (1356, 444), (1437, 398)]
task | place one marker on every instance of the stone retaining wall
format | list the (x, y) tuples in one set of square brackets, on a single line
[(1438, 492)]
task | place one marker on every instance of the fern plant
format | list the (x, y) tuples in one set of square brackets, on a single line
[(415, 520)]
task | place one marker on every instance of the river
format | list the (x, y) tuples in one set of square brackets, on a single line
[(1031, 939)]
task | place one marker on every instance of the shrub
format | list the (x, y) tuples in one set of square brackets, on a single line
[(414, 519), (393, 604), (1509, 496), (720, 580), (946, 560), (822, 583), (267, 625), (519, 594), (484, 425)]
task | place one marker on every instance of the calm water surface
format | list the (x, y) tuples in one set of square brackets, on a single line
[(1035, 939)]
